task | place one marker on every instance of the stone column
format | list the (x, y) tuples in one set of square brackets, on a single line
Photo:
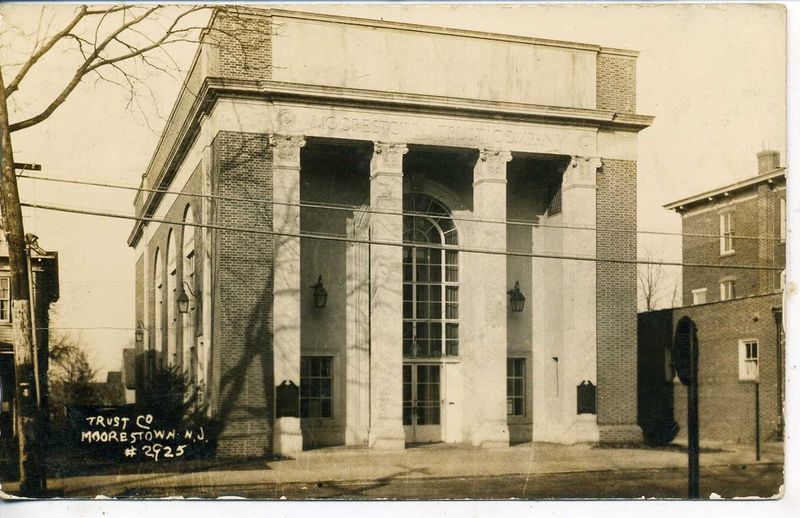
[(486, 359), (386, 298), (287, 437), (579, 285)]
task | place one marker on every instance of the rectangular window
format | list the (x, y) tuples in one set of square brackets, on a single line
[(699, 296), (316, 386), (5, 300), (727, 290), (783, 219), (726, 233), (748, 360), (515, 386)]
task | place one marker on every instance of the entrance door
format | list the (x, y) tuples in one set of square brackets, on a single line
[(422, 402)]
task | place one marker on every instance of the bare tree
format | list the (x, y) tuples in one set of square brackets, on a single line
[(651, 282), (105, 43)]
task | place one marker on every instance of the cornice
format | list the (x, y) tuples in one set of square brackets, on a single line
[(727, 190), (430, 29), (423, 103), (215, 88)]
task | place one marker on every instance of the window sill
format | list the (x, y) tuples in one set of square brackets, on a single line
[(727, 253)]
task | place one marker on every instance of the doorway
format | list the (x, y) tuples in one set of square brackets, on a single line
[(422, 403)]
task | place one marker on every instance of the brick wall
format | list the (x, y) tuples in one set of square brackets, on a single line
[(242, 366), (159, 242), (779, 247), (616, 83), (759, 216), (727, 405), (241, 44), (616, 303)]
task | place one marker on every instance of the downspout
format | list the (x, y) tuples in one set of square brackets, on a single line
[(777, 314)]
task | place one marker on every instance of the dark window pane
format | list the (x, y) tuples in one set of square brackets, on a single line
[(422, 309), (452, 348)]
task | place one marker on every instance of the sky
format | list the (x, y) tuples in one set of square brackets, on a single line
[(713, 76)]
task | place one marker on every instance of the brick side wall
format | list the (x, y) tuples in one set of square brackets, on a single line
[(727, 405), (616, 83), (751, 217), (242, 45), (766, 227), (159, 242), (616, 303), (242, 363), (778, 245)]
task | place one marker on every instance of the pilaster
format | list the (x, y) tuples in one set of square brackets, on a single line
[(386, 297), (578, 361), (287, 438)]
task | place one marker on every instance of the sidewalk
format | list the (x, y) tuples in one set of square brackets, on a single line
[(434, 461)]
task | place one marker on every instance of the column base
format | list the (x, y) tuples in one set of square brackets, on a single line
[(620, 433), (287, 437), (491, 434), (586, 429), (387, 435)]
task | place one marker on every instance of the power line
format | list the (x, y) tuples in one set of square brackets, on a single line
[(355, 208), (345, 239)]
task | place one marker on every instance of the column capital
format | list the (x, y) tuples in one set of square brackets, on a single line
[(286, 150), (387, 158), (581, 172), (491, 166)]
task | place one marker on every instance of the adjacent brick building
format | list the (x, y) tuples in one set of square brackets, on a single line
[(44, 269), (738, 311), (415, 175)]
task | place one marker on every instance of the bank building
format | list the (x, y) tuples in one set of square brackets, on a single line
[(378, 234)]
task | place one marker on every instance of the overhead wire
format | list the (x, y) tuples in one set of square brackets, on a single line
[(370, 241), (362, 209)]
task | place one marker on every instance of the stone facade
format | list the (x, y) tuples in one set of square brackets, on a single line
[(300, 166)]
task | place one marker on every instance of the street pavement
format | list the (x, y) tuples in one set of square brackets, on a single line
[(439, 471)]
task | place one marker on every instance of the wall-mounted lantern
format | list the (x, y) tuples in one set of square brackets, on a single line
[(320, 294), (139, 332), (516, 298), (183, 298)]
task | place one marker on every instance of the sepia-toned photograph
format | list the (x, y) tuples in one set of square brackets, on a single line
[(406, 252)]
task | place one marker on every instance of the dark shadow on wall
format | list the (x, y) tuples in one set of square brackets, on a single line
[(656, 406)]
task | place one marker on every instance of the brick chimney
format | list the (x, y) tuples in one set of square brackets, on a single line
[(768, 160)]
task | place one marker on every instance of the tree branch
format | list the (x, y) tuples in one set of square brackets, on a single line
[(79, 74), (14, 84)]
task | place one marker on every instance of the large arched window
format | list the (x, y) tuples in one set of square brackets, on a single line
[(172, 277), (158, 305), (430, 279), (189, 350)]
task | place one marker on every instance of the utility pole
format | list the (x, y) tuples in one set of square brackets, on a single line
[(686, 355), (31, 452)]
